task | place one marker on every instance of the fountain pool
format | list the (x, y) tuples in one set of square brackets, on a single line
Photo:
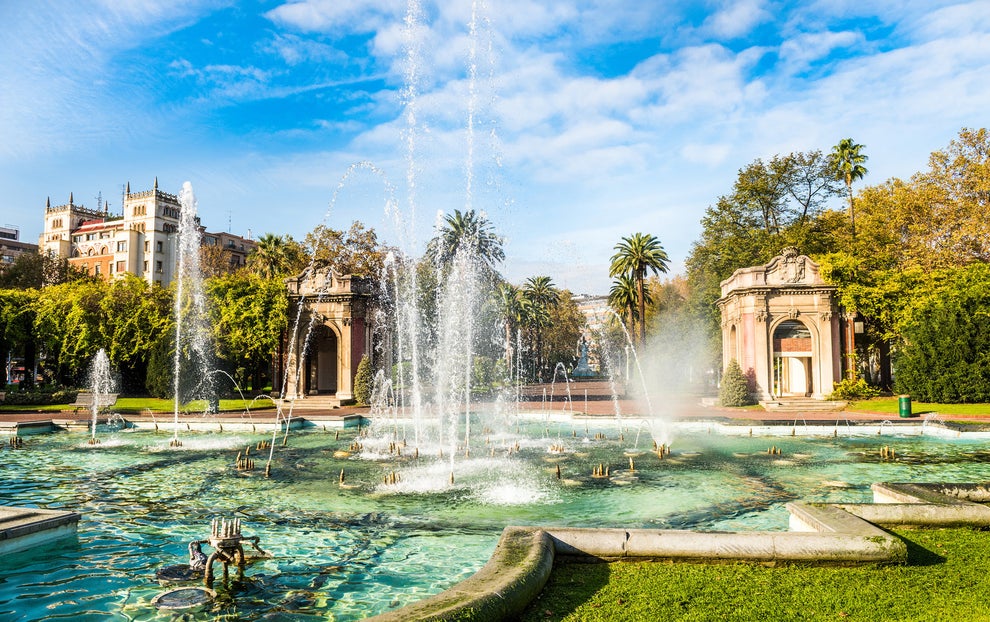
[(346, 551)]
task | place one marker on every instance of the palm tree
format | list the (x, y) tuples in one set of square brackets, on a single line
[(622, 298), (636, 255), (847, 160), (514, 309), (271, 257), (467, 231), (543, 296)]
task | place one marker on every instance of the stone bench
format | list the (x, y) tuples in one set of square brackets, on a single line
[(84, 401)]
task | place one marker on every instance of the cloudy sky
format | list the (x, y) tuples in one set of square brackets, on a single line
[(569, 123)]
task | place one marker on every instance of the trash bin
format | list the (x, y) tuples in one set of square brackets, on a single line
[(904, 405)]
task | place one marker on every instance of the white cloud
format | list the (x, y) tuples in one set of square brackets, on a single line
[(337, 15), (295, 50), (736, 18), (798, 53)]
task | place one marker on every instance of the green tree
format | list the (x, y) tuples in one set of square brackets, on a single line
[(567, 325), (34, 271), (69, 320), (355, 251), (636, 255), (161, 364), (135, 314), (945, 353), (847, 160), (249, 315), (17, 330)]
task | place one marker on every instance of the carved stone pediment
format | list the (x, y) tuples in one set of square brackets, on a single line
[(790, 267)]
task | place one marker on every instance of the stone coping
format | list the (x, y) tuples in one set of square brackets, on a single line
[(26, 528), (514, 575), (819, 533)]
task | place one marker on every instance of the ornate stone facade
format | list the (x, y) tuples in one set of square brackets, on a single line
[(336, 318), (781, 322), (141, 240)]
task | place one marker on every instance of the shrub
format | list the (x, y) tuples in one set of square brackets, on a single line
[(40, 398), (363, 380), (735, 389), (853, 390)]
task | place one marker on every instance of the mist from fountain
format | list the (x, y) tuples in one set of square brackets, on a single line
[(664, 432)]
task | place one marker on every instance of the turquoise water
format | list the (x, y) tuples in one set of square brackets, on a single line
[(343, 553)]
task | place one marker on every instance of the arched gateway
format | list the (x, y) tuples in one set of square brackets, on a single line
[(781, 322), (334, 311)]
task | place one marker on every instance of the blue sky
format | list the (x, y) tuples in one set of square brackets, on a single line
[(589, 120)]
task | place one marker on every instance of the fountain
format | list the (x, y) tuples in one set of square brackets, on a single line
[(101, 385), (355, 529)]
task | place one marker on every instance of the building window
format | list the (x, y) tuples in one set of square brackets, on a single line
[(76, 239), (140, 210), (146, 266), (121, 246), (158, 267), (158, 246), (147, 246), (103, 250), (90, 237)]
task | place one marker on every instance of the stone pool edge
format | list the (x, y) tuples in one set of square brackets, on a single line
[(842, 533)]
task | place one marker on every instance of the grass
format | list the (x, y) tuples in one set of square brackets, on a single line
[(139, 405), (945, 580), (890, 405)]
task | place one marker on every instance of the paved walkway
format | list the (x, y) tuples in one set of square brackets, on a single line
[(587, 398)]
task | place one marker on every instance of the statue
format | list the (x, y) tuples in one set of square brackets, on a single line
[(582, 370)]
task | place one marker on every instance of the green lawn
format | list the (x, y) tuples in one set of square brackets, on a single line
[(945, 579), (919, 409), (138, 405)]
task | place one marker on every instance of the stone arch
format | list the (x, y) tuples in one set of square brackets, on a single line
[(323, 360), (794, 346)]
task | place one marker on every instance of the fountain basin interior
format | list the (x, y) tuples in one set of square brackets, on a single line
[(365, 545)]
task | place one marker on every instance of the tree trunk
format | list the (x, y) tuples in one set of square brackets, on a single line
[(852, 213), (30, 356), (642, 309)]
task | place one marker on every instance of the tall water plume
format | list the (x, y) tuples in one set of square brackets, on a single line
[(192, 333), (101, 385)]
